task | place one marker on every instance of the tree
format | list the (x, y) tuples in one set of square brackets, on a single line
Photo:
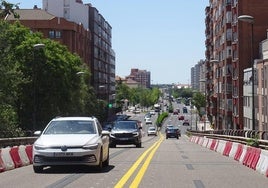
[(8, 8), (199, 101), (143, 96), (10, 78), (58, 90)]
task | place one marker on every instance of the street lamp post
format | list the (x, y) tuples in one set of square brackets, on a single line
[(249, 19), (218, 91), (35, 47)]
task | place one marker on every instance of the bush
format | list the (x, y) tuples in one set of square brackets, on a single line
[(161, 117), (254, 142)]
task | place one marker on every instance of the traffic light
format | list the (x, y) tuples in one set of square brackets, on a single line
[(110, 105)]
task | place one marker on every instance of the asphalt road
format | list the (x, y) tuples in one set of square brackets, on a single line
[(159, 163)]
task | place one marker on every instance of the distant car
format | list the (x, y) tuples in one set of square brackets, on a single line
[(175, 112), (126, 132), (181, 117), (173, 132), (137, 111), (71, 141), (148, 121), (121, 117), (152, 112), (146, 116), (186, 122), (185, 110), (169, 126), (152, 131)]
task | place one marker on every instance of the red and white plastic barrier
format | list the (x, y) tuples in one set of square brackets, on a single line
[(15, 157), (2, 166), (205, 142), (233, 149), (23, 155), (6, 157), (262, 165), (227, 148), (220, 146), (254, 158)]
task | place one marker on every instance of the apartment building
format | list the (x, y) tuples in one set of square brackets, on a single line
[(262, 87), (73, 35), (102, 55), (142, 77), (198, 76), (228, 53)]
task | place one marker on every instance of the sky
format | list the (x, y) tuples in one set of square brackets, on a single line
[(165, 37)]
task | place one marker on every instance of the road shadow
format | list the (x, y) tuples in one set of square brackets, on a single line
[(77, 169)]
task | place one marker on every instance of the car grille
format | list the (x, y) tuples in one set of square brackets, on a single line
[(123, 135), (83, 159)]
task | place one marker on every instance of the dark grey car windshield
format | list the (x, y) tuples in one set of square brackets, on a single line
[(71, 127), (125, 125)]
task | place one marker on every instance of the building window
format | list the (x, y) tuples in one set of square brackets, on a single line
[(58, 34), (51, 34), (54, 34)]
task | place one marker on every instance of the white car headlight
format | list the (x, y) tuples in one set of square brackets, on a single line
[(39, 147), (91, 146)]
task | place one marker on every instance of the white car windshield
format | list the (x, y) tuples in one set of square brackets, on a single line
[(71, 127)]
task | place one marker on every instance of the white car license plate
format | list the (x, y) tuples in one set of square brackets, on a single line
[(63, 154)]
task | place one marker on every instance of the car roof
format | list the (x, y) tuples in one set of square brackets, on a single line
[(128, 120), (74, 118)]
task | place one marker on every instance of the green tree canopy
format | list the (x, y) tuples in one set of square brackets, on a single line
[(199, 101), (48, 75), (7, 9)]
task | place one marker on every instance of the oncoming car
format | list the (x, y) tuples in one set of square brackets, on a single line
[(71, 141), (148, 121), (126, 132), (152, 131)]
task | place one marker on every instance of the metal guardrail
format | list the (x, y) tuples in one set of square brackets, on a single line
[(243, 139), (5, 142), (263, 135)]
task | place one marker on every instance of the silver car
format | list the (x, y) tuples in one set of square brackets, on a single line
[(71, 141), (151, 131)]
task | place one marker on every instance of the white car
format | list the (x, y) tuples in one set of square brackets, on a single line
[(152, 112), (71, 141), (152, 131), (148, 121)]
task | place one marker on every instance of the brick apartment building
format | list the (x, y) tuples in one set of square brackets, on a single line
[(228, 53), (262, 87), (142, 77), (84, 31), (73, 35)]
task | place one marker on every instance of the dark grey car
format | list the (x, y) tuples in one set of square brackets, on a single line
[(126, 132)]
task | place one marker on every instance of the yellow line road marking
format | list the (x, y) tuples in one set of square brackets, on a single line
[(144, 167), (125, 178)]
